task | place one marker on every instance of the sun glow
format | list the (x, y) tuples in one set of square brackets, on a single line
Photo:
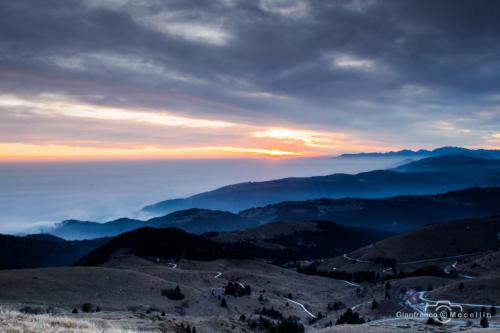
[(188, 136), (16, 151)]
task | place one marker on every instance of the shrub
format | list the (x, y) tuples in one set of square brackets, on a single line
[(350, 317), (223, 303), (337, 305), (174, 294), (89, 308), (271, 313), (235, 289), (484, 322)]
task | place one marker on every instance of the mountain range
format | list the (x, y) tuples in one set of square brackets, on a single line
[(422, 153), (427, 176)]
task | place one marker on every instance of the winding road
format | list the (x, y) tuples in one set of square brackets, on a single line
[(302, 306)]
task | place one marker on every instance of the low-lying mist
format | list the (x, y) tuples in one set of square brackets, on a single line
[(35, 195)]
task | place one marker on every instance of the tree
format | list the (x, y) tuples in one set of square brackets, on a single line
[(75, 310), (493, 311), (243, 317), (374, 305), (223, 303), (429, 287), (173, 294), (484, 322), (461, 286), (387, 285)]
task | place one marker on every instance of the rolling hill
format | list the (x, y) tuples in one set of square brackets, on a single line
[(396, 214), (170, 243), (191, 220), (393, 214), (302, 240), (439, 240), (426, 176)]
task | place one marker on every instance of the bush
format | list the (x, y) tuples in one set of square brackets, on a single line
[(89, 308), (350, 317), (484, 322), (337, 305), (374, 305), (174, 294), (235, 289), (181, 328), (271, 313), (285, 325), (75, 311), (223, 303)]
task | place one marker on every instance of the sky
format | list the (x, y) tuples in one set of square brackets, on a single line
[(111, 79)]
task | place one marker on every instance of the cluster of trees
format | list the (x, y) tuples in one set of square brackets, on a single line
[(423, 271), (174, 294), (185, 329), (370, 276), (335, 306), (270, 312), (235, 289), (358, 277), (285, 325), (350, 317)]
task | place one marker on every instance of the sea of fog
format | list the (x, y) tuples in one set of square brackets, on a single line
[(33, 195)]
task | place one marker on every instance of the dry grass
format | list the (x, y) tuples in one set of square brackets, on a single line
[(16, 322)]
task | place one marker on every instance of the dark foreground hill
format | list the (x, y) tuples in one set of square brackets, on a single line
[(396, 214), (42, 250), (427, 176), (279, 242), (171, 243)]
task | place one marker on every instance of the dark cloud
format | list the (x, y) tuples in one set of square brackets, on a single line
[(387, 69)]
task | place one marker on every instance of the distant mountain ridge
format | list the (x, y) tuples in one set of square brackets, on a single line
[(393, 214), (191, 220), (422, 153), (396, 214), (416, 177)]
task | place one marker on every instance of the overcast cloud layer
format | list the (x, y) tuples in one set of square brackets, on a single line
[(318, 77)]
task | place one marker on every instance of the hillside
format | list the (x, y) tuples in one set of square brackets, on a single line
[(169, 243), (412, 178), (42, 250), (439, 240), (301, 240), (190, 220), (396, 214)]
